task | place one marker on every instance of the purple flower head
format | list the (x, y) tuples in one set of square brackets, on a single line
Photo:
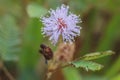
[(61, 22)]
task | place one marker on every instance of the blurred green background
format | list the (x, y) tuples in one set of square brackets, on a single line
[(20, 37)]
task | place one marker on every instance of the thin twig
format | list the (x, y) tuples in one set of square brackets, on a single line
[(8, 73)]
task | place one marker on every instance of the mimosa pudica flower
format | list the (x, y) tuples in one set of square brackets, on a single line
[(61, 22)]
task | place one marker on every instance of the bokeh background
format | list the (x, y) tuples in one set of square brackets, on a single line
[(20, 37)]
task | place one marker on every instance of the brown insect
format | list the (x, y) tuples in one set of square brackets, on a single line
[(46, 52)]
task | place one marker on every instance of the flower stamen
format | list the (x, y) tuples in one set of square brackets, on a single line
[(61, 24)]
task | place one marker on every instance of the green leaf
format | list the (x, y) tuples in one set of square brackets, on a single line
[(34, 10), (88, 65), (9, 39), (29, 56), (97, 55), (117, 77), (32, 38)]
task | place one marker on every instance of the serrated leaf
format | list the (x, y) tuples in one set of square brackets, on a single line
[(9, 39), (34, 10), (88, 65), (96, 55)]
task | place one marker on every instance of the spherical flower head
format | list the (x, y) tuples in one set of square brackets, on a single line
[(63, 23)]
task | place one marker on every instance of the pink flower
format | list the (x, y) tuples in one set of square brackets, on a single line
[(61, 22)]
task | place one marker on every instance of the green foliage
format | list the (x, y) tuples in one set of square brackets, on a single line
[(83, 62), (100, 31), (30, 55), (96, 55), (110, 34), (9, 39), (94, 77), (114, 69), (35, 10), (87, 65), (116, 77), (71, 73)]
